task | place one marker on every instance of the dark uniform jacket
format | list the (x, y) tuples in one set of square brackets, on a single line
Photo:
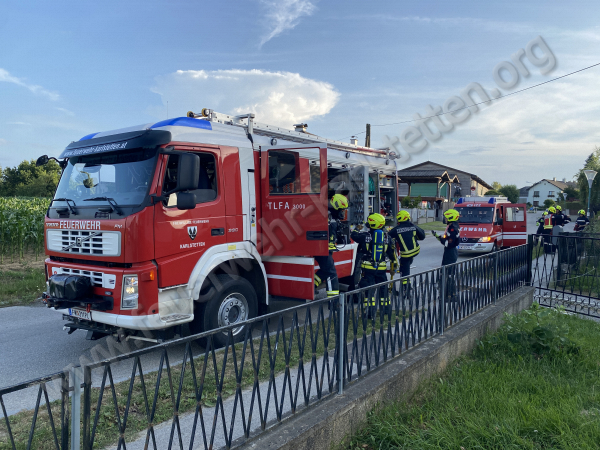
[(334, 215), (450, 242), (406, 235), (374, 246), (581, 223), (540, 224), (559, 219)]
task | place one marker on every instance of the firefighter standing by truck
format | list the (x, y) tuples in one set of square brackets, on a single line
[(406, 236), (327, 272), (582, 221), (450, 237), (547, 231), (376, 248)]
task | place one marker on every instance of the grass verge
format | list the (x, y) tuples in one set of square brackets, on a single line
[(21, 286), (435, 226), (501, 397)]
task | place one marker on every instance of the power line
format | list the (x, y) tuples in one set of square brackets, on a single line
[(480, 103)]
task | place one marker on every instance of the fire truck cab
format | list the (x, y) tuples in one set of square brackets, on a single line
[(201, 220), (490, 223)]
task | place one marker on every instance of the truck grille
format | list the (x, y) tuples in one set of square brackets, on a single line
[(97, 243), (98, 279)]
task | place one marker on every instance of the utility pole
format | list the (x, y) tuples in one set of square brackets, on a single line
[(368, 136)]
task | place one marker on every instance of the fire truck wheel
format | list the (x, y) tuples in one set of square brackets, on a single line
[(234, 301)]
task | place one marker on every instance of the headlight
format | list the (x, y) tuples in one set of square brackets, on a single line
[(129, 298), (485, 239)]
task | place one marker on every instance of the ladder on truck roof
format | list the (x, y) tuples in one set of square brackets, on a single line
[(301, 137)]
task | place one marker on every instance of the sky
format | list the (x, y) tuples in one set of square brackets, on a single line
[(71, 68)]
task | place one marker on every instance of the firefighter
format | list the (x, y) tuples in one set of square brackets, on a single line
[(582, 221), (406, 236), (540, 228), (560, 218), (376, 249), (327, 272), (547, 231), (450, 237)]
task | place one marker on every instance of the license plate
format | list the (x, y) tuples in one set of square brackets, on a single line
[(465, 246), (80, 313)]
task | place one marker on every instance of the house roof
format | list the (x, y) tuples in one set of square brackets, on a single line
[(559, 184), (426, 176), (473, 176), (524, 191)]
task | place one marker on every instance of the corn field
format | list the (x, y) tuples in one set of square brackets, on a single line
[(21, 227)]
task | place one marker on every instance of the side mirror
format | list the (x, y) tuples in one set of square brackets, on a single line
[(188, 173), (499, 221), (42, 160), (186, 200)]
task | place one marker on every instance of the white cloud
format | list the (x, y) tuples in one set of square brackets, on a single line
[(65, 111), (7, 77), (3, 141), (277, 98), (284, 15), (18, 123)]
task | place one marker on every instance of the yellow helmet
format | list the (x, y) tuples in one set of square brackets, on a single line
[(581, 212), (451, 215), (376, 221), (403, 216), (339, 201), (559, 208), (544, 213), (552, 209)]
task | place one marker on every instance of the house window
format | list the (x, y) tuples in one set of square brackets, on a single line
[(550, 193), (536, 193), (536, 203)]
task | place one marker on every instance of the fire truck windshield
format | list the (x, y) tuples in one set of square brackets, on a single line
[(124, 176), (469, 214)]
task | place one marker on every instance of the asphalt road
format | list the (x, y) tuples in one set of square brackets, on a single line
[(33, 343)]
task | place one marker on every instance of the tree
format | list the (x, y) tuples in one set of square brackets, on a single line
[(496, 186), (492, 192), (571, 194), (592, 162), (28, 180), (548, 203), (409, 203), (511, 192)]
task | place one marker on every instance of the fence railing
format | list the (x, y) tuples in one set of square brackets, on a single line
[(565, 271), (187, 393)]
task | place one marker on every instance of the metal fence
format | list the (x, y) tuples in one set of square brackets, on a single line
[(565, 272), (188, 394)]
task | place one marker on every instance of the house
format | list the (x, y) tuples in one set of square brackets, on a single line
[(545, 189), (523, 193), (457, 184)]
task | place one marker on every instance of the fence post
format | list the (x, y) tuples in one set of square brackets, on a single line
[(495, 288), (529, 258), (87, 407), (76, 409), (342, 341), (442, 299)]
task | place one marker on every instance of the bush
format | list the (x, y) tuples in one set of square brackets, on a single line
[(548, 203), (537, 331), (409, 202)]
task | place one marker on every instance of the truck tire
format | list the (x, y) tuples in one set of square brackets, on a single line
[(234, 300)]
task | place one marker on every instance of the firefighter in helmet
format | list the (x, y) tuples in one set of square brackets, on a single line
[(406, 236), (327, 272), (560, 218), (547, 231), (377, 249), (582, 221), (540, 228), (450, 237)]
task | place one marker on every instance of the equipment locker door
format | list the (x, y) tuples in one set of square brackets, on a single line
[(514, 227), (293, 201)]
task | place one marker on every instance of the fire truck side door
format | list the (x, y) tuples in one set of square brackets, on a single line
[(293, 201), (182, 236), (514, 227)]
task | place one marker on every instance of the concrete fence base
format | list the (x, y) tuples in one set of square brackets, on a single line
[(327, 423)]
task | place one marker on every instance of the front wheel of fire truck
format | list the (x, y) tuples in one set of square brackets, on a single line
[(232, 300)]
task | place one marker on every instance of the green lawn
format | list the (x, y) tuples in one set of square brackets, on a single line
[(21, 285), (435, 226), (499, 397)]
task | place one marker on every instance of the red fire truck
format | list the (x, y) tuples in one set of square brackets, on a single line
[(200, 220), (490, 223)]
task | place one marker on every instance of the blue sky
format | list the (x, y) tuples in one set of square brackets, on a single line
[(70, 68)]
